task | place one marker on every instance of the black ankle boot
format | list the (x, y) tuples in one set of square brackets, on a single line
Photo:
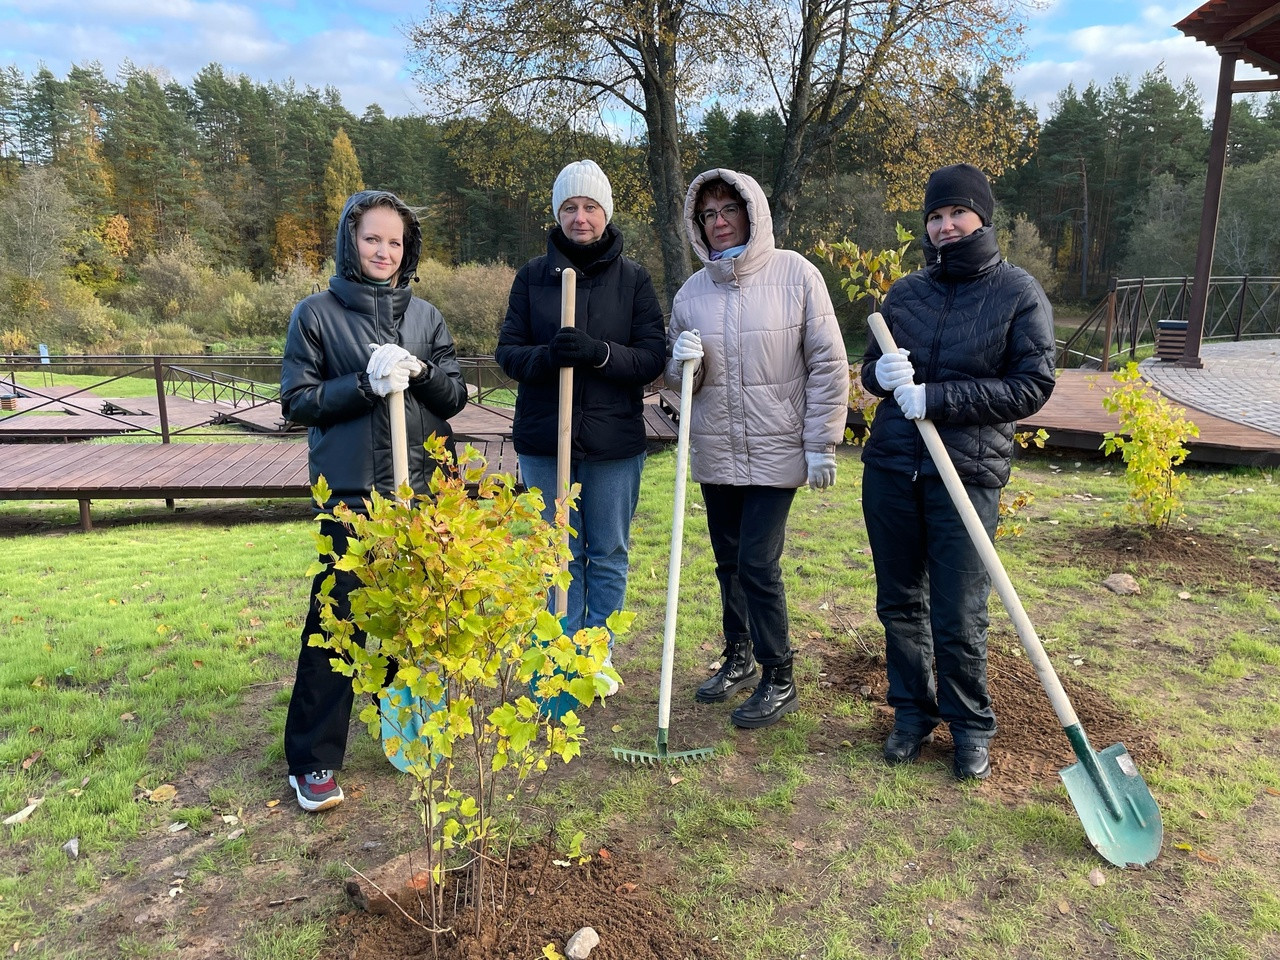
[(737, 670), (774, 698)]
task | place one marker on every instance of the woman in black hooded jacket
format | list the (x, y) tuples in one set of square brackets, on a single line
[(975, 341), (347, 349)]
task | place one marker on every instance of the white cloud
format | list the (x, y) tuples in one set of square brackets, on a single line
[(275, 40), (1098, 54)]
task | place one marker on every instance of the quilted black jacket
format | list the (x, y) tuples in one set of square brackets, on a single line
[(980, 333)]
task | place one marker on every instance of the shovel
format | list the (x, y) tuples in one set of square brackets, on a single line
[(661, 754), (1119, 815), (556, 707), (397, 696)]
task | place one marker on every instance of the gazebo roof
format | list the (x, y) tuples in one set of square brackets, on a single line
[(1252, 25)]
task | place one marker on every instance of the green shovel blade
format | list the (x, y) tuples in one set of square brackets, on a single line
[(1119, 814)]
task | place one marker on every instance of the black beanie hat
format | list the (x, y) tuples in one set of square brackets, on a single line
[(962, 184)]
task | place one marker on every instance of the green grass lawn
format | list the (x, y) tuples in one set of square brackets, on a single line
[(158, 650)]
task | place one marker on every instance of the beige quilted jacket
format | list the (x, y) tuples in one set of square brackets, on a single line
[(774, 381)]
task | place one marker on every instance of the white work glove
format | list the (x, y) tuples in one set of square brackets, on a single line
[(893, 370), (822, 469), (911, 399), (688, 346), (397, 381), (386, 356)]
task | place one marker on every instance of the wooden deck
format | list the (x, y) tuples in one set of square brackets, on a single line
[(1074, 418), (174, 471)]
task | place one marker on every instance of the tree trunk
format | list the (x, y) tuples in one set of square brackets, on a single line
[(662, 156)]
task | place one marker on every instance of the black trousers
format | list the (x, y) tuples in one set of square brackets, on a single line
[(315, 729), (748, 527), (931, 597)]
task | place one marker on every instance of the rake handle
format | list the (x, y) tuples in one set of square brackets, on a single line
[(677, 548)]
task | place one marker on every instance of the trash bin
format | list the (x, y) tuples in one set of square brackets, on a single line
[(1171, 339)]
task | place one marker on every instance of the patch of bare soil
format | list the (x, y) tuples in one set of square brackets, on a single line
[(1181, 556), (614, 893), (1030, 747)]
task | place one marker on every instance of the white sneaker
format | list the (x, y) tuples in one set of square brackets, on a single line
[(613, 684)]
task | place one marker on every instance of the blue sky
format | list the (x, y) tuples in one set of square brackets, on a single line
[(361, 49)]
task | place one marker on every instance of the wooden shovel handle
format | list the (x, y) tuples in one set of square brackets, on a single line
[(564, 434)]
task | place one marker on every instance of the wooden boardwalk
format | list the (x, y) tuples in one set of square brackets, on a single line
[(174, 471), (1074, 418)]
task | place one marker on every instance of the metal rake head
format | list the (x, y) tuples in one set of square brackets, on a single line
[(661, 756)]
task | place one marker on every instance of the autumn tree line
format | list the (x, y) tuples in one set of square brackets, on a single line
[(141, 215)]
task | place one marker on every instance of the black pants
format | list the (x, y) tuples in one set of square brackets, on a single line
[(315, 730), (748, 526), (931, 596)]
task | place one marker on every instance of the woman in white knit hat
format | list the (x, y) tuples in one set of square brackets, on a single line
[(616, 347)]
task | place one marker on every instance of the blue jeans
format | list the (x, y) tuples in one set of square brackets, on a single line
[(602, 521), (931, 596), (748, 527)]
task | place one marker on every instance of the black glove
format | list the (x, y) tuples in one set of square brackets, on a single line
[(572, 347)]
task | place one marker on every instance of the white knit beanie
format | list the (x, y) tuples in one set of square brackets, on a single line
[(583, 179)]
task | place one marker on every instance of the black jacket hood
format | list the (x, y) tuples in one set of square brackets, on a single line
[(346, 259)]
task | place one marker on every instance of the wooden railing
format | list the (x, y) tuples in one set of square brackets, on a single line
[(1134, 311)]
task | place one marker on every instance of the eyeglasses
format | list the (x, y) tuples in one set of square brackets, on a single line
[(707, 217)]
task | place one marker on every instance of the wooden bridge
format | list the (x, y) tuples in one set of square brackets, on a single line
[(276, 465)]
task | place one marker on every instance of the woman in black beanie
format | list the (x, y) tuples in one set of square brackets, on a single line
[(975, 337)]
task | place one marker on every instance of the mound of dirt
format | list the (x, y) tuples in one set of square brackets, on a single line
[(615, 893), (1030, 747)]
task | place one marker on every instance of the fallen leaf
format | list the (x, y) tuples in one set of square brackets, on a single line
[(616, 728), (197, 664), (1207, 857), (236, 834), (21, 815), (1183, 846), (230, 818), (799, 845), (178, 827), (675, 780), (127, 717), (1096, 877), (273, 803), (605, 854), (356, 791), (163, 793), (1273, 791), (627, 887), (161, 629), (26, 764), (1063, 907), (1183, 595), (1202, 815), (255, 622)]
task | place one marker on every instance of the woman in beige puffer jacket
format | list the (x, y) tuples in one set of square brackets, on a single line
[(771, 386)]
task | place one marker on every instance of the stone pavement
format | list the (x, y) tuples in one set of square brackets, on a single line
[(1238, 382)]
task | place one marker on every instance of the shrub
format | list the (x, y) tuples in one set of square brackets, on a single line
[(1151, 439), (453, 597), (473, 299)]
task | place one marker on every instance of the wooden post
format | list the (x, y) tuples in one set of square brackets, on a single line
[(1111, 325), (1212, 202)]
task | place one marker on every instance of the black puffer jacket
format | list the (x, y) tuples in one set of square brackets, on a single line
[(323, 386), (615, 303), (980, 333)]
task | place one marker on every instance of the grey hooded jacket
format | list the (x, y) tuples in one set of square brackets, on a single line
[(774, 379)]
